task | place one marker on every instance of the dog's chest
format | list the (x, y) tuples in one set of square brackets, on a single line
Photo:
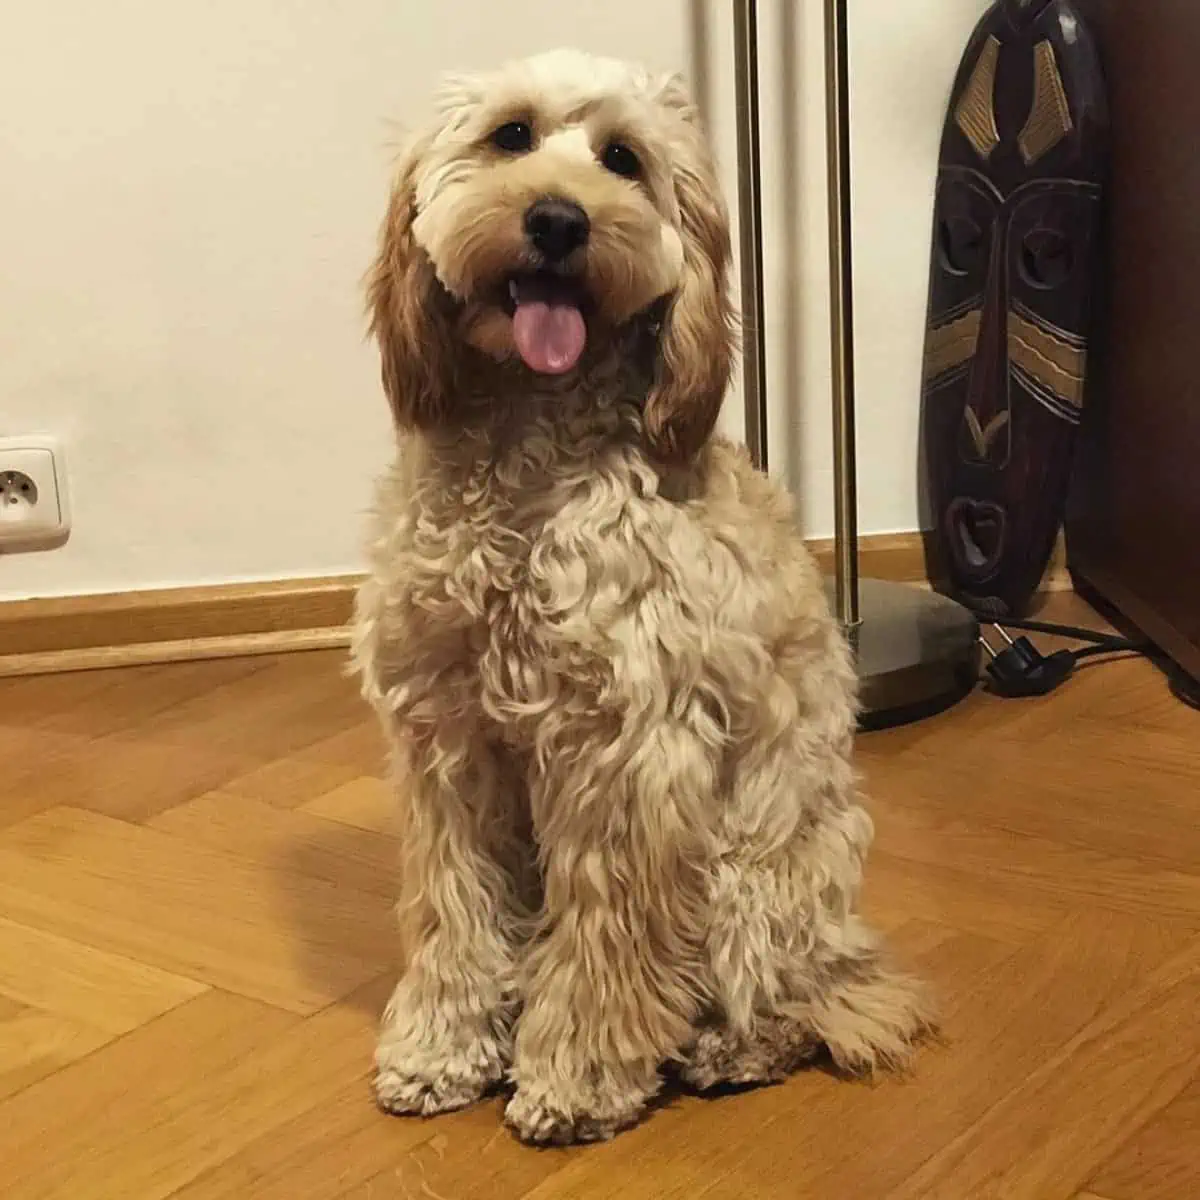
[(568, 584), (539, 578), (537, 631)]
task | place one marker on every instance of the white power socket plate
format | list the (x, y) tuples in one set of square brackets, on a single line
[(35, 517)]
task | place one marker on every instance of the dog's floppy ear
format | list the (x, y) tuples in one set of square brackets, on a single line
[(407, 307), (696, 348)]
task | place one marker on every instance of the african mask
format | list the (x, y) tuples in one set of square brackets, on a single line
[(1015, 258)]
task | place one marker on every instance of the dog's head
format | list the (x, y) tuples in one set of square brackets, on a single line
[(553, 203)]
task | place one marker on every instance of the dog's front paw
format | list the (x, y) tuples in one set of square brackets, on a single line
[(439, 1088), (424, 1067), (550, 1116)]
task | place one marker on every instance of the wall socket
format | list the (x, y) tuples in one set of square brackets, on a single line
[(34, 511)]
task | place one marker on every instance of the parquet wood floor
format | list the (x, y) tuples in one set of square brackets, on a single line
[(195, 939)]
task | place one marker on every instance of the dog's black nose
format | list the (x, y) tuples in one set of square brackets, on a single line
[(556, 227)]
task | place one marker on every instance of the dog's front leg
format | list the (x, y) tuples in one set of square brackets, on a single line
[(612, 984), (446, 1035)]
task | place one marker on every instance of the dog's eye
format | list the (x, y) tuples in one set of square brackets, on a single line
[(620, 160), (514, 137)]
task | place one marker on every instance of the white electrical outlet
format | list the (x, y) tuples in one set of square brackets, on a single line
[(34, 514)]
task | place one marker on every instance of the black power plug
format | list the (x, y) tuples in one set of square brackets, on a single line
[(1022, 670)]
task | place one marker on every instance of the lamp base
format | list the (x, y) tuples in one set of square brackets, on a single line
[(917, 653)]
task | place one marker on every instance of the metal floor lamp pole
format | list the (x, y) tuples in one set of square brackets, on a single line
[(917, 652), (745, 42), (841, 315)]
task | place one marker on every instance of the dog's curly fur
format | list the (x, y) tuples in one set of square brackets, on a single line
[(620, 712)]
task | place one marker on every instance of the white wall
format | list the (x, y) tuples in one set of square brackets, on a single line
[(904, 54), (189, 196)]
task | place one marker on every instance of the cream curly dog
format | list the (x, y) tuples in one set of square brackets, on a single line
[(620, 712)]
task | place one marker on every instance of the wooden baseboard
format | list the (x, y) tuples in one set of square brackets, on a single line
[(177, 624), (140, 654), (900, 558), (74, 633), (174, 614), (896, 557)]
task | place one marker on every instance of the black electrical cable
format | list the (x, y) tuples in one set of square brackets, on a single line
[(1104, 643), (1020, 670), (1184, 687), (1075, 632), (1119, 646)]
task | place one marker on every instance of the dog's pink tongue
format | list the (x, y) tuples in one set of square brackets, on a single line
[(550, 337)]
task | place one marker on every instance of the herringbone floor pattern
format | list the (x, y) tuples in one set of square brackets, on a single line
[(195, 877)]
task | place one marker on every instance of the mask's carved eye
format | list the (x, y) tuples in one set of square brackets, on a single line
[(513, 137), (1047, 258), (962, 244), (620, 160)]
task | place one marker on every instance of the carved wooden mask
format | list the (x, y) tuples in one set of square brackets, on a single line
[(1014, 263)]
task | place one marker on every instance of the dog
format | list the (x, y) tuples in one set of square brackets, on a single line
[(620, 713)]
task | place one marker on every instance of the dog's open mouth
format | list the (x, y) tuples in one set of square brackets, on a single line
[(548, 327)]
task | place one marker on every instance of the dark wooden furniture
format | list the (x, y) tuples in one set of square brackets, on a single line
[(1133, 525)]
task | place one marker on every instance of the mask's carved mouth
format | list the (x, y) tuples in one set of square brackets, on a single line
[(548, 315), (977, 531)]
